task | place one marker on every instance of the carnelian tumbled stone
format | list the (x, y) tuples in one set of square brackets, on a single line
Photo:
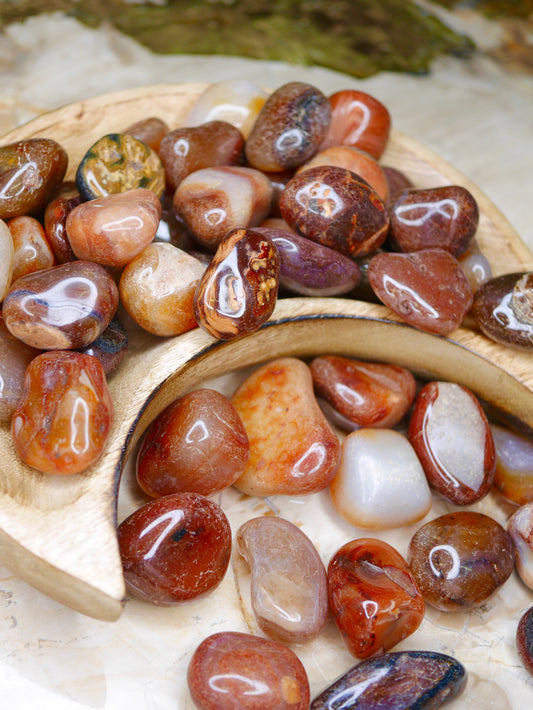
[(373, 596), (64, 416), (175, 548), (198, 443), (236, 671)]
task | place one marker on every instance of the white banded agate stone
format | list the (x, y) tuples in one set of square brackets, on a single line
[(380, 483), (235, 101)]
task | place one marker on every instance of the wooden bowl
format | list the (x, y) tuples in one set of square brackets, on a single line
[(58, 533)]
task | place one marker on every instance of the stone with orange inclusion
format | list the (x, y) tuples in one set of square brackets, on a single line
[(293, 449), (65, 413), (32, 250), (373, 596), (237, 671), (238, 291)]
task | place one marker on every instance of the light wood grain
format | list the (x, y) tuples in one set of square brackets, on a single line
[(58, 533)]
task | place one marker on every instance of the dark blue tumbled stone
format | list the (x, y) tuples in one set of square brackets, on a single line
[(404, 680), (309, 268)]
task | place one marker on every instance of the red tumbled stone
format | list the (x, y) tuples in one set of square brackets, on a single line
[(236, 671)]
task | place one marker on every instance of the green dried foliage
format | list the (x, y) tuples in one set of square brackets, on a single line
[(493, 8), (357, 37)]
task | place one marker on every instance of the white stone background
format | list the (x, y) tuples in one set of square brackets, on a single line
[(477, 116)]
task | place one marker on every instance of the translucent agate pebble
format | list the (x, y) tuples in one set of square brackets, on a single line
[(236, 671), (213, 201), (514, 465), (118, 162), (293, 448), (358, 119), (32, 250), (175, 548), (66, 306), (157, 289), (198, 443), (520, 528), (64, 416), (476, 267), (453, 440), (7, 257), (236, 101), (289, 585), (15, 356), (113, 229), (373, 596), (460, 559), (524, 640), (380, 483), (401, 680), (55, 218), (366, 393)]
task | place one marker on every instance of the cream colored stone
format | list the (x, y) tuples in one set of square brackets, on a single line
[(380, 483)]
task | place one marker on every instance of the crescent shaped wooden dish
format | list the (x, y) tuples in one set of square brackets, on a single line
[(58, 533)]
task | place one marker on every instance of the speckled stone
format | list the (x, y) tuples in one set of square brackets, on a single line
[(289, 128), (336, 208), (238, 291), (460, 559), (118, 162), (403, 680), (524, 640)]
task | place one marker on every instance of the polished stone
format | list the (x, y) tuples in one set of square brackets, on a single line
[(293, 449), (289, 586)]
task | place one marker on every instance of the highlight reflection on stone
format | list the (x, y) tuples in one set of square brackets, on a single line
[(293, 448), (236, 671), (403, 680), (289, 586)]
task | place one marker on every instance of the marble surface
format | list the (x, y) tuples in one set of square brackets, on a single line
[(475, 115)]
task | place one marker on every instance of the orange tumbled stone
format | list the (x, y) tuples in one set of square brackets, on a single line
[(113, 229), (373, 596), (65, 413), (32, 250), (293, 449)]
